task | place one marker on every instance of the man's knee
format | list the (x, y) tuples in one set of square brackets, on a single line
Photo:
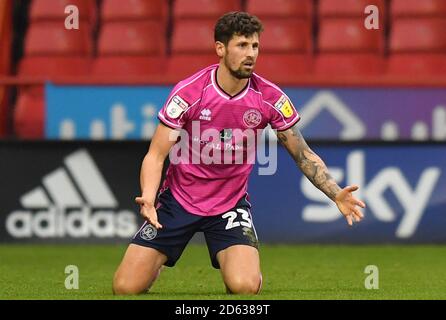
[(244, 285), (124, 286)]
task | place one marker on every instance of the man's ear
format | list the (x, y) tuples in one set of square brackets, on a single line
[(220, 48)]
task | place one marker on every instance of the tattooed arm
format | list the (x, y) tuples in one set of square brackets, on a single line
[(316, 171)]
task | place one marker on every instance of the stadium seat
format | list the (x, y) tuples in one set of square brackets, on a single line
[(203, 9), (417, 8), (418, 35), (348, 35), (185, 65), (132, 38), (286, 36), (347, 8), (280, 8), (280, 67), (55, 9), (114, 10), (129, 66), (417, 64), (349, 64), (193, 36), (49, 67), (51, 38), (29, 116)]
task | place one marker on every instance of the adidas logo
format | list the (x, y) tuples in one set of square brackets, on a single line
[(205, 114), (73, 201)]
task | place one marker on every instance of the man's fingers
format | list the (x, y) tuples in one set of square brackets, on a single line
[(153, 220), (355, 215), (139, 200), (147, 214), (155, 223), (158, 225), (360, 203), (358, 213), (352, 188), (349, 219)]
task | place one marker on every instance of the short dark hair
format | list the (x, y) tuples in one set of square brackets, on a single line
[(236, 23)]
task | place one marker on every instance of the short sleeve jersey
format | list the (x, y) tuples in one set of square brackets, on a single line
[(210, 120)]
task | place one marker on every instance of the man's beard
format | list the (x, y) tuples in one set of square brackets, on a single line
[(239, 73)]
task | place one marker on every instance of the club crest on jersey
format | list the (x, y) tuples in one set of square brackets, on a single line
[(148, 232), (252, 118), (176, 107), (284, 106)]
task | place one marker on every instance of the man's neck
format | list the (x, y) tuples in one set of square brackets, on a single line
[(230, 84)]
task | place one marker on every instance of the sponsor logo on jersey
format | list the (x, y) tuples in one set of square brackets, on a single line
[(284, 106), (206, 115), (176, 107)]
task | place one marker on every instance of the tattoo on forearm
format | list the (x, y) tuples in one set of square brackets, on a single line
[(311, 165)]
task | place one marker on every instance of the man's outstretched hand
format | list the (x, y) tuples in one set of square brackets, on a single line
[(347, 204), (148, 212)]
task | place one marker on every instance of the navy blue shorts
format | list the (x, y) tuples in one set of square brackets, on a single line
[(222, 231)]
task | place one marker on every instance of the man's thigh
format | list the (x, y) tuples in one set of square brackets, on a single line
[(233, 228), (240, 268), (179, 226), (138, 270)]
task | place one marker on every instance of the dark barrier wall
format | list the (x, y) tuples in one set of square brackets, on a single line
[(403, 186), (60, 192)]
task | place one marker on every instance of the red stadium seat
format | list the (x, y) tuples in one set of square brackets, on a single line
[(349, 64), (280, 8), (132, 38), (115, 10), (204, 8), (51, 38), (418, 8), (280, 67), (347, 8), (185, 65), (418, 35), (29, 116), (349, 35), (50, 67), (55, 9), (193, 36), (417, 64), (129, 66), (286, 36)]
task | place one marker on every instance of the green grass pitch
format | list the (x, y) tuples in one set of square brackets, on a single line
[(290, 272)]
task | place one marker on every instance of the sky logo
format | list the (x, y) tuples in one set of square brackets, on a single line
[(372, 191)]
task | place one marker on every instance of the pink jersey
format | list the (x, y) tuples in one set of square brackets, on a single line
[(209, 189)]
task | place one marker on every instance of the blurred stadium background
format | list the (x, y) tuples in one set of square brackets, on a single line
[(78, 107)]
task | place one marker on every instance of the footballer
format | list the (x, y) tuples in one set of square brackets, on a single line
[(212, 197)]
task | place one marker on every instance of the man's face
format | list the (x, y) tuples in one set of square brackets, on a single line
[(240, 55)]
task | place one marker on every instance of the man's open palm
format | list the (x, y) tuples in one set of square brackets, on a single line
[(347, 204)]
